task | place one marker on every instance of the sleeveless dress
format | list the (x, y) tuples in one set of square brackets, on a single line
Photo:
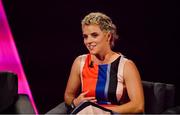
[(104, 81)]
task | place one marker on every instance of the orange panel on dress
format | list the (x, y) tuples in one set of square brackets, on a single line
[(89, 84)]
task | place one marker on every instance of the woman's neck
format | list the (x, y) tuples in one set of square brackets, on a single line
[(103, 58)]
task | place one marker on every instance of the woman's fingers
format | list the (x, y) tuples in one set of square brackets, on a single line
[(93, 100), (84, 93), (82, 97), (89, 98)]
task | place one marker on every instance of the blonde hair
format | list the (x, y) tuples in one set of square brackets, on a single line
[(105, 23)]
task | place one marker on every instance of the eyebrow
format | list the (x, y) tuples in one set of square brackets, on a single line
[(94, 33)]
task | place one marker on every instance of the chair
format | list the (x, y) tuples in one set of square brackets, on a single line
[(10, 100), (159, 97)]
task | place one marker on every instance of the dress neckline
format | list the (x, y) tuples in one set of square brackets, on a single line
[(117, 58)]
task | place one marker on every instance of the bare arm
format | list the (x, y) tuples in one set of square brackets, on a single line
[(73, 86), (74, 82), (134, 89)]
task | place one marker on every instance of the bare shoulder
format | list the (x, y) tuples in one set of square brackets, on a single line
[(129, 63), (130, 69), (78, 59)]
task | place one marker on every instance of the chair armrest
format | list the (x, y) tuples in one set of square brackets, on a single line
[(172, 110), (23, 105)]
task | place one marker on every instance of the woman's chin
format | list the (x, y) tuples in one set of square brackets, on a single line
[(92, 52)]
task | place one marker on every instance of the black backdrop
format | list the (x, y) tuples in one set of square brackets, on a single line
[(48, 37)]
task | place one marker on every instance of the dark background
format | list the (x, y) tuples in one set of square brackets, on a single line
[(48, 37)]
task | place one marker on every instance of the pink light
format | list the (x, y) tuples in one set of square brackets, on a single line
[(9, 58)]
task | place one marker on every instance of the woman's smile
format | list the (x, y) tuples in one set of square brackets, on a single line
[(91, 47)]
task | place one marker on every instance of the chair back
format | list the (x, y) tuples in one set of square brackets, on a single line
[(8, 89), (158, 96)]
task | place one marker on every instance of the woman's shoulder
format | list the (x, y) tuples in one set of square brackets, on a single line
[(125, 61), (80, 58), (124, 57), (82, 55)]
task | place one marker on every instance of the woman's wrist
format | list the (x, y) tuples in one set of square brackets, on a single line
[(72, 104)]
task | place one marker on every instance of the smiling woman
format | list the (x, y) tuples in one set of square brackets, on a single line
[(106, 78)]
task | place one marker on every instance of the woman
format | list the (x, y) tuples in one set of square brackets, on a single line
[(103, 75)]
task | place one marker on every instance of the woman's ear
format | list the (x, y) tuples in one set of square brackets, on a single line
[(108, 36)]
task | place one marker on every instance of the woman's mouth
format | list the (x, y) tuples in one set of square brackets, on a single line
[(91, 47)]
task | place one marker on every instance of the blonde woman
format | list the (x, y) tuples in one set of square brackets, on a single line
[(104, 76)]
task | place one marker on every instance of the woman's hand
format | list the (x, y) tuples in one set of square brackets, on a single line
[(82, 97)]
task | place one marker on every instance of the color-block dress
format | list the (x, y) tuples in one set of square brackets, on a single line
[(104, 81)]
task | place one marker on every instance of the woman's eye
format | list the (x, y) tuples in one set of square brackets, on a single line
[(94, 35)]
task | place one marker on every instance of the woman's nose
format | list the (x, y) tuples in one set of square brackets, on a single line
[(89, 40)]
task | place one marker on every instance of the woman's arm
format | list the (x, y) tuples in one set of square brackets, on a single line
[(134, 89), (73, 86), (74, 82)]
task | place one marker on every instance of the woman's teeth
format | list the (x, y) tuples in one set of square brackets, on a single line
[(91, 47)]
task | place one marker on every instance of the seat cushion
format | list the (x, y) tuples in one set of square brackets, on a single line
[(21, 106)]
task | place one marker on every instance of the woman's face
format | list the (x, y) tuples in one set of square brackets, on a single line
[(96, 40)]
